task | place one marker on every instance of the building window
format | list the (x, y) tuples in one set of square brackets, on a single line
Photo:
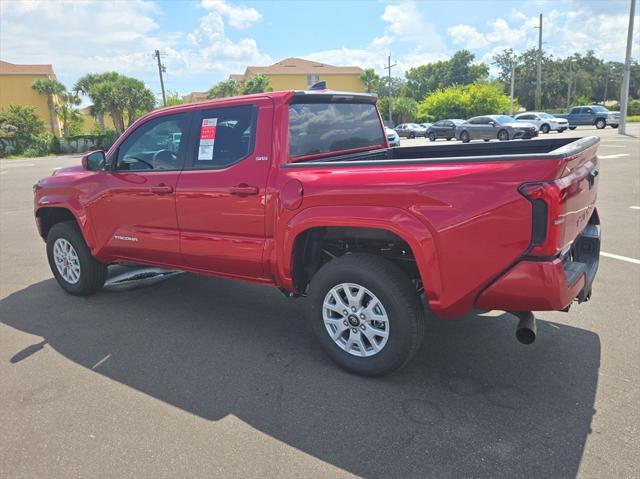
[(309, 80)]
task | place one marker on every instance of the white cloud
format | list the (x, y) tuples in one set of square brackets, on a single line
[(468, 36), (407, 31), (238, 16), (95, 35)]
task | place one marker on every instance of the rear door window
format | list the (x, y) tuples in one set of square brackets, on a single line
[(317, 128), (223, 137)]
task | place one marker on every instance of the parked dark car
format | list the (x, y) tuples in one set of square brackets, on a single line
[(489, 127), (443, 129), (410, 130), (595, 115)]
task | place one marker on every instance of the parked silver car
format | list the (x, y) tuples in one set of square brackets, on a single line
[(490, 127), (544, 121), (410, 130)]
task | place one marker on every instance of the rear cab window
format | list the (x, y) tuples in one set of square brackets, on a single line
[(324, 128)]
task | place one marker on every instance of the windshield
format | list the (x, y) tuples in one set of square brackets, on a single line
[(546, 115), (413, 125), (503, 119), (599, 109), (316, 128)]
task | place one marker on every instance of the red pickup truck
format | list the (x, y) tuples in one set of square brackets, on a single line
[(300, 190)]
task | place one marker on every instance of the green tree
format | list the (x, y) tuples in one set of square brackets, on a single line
[(85, 86), (257, 84), (67, 110), (464, 101), (174, 98), (370, 80), (224, 89), (458, 70), (50, 88), (123, 97), (390, 87), (403, 109), (20, 124)]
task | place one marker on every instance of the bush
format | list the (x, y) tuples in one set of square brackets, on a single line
[(41, 144), (465, 101), (107, 139), (20, 124)]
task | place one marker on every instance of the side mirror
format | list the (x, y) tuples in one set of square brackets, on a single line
[(94, 161), (492, 123)]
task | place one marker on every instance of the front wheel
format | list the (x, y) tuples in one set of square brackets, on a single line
[(503, 135), (71, 262), (412, 135), (545, 128), (613, 126), (366, 314), (572, 127), (464, 137), (600, 124), (432, 136)]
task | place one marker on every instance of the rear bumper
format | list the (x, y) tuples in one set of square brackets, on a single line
[(548, 285)]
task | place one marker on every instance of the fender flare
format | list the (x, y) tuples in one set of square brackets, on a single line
[(74, 206), (400, 222)]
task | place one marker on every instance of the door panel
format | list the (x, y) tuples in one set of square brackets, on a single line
[(134, 216), (221, 203)]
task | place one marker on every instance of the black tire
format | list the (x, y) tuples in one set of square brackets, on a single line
[(464, 137), (503, 135), (545, 128), (560, 130), (432, 136), (614, 126), (398, 296), (92, 273), (600, 123), (572, 127), (486, 139), (412, 135), (448, 138)]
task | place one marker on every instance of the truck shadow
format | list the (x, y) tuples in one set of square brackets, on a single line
[(473, 403)]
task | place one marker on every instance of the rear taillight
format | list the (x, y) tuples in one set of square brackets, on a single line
[(548, 216)]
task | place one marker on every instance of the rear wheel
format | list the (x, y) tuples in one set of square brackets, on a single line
[(71, 262), (412, 135), (545, 128), (432, 136), (503, 135), (464, 136), (600, 123), (366, 314), (572, 127), (448, 138), (486, 139), (613, 126)]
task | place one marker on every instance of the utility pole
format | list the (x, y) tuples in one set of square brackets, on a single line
[(388, 68), (606, 86), (513, 76), (569, 83), (539, 68), (161, 69), (624, 89)]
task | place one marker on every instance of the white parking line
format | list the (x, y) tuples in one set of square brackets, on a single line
[(605, 145), (101, 361), (619, 155), (635, 207), (621, 258)]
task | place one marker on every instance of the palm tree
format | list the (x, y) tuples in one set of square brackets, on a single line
[(370, 80), (224, 89), (257, 84), (50, 88), (85, 86), (67, 111)]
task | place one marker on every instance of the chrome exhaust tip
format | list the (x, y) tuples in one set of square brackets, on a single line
[(526, 330)]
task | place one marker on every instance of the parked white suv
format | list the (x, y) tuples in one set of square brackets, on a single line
[(544, 121)]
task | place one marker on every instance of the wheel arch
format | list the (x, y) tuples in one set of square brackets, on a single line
[(50, 211), (366, 223)]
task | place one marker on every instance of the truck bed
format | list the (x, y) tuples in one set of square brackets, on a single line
[(548, 149)]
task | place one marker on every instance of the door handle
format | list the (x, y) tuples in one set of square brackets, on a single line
[(243, 190), (161, 189)]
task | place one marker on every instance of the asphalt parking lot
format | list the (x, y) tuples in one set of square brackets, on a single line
[(204, 377)]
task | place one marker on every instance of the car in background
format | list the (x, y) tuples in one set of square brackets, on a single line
[(410, 130), (392, 137), (426, 126), (544, 121), (595, 115), (490, 127), (443, 129)]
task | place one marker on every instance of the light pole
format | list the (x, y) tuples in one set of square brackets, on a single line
[(624, 89), (388, 68), (539, 68), (513, 76)]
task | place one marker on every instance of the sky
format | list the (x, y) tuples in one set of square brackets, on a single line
[(203, 41)]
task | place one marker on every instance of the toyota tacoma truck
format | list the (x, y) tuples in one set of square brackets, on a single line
[(300, 190)]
